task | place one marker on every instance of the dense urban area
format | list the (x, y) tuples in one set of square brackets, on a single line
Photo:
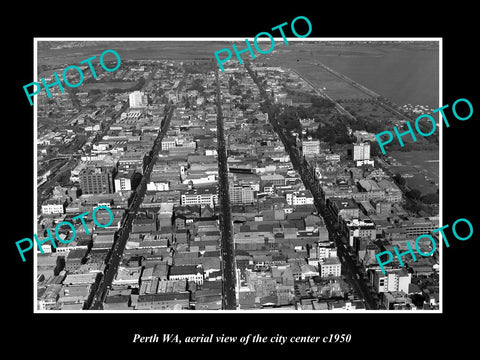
[(249, 189)]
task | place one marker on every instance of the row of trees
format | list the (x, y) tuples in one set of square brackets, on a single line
[(137, 86), (199, 67)]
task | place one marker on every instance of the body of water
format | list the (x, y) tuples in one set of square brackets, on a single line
[(403, 73)]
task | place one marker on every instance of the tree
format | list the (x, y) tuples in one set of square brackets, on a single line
[(399, 179), (321, 102), (374, 126), (414, 194), (375, 149), (430, 198), (417, 300)]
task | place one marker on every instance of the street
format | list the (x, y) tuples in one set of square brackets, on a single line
[(227, 246), (122, 235), (310, 181)]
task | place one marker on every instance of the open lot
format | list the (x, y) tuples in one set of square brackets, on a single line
[(423, 167)]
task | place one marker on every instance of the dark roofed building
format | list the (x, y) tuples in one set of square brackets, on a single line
[(74, 259), (164, 301), (144, 225), (247, 300), (117, 302)]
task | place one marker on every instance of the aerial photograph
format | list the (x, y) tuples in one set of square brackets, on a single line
[(168, 183)]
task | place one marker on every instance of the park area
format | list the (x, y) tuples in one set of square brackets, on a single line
[(421, 169)]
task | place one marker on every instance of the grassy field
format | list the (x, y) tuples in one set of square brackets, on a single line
[(107, 85), (132, 50), (368, 111), (421, 164), (319, 77)]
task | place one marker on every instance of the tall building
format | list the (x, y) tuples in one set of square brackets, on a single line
[(361, 151), (241, 194), (124, 180), (138, 99), (96, 180), (133, 160), (311, 147), (330, 266), (392, 280)]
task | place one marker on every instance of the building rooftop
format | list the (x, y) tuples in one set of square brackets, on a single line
[(184, 270), (345, 203), (331, 261), (164, 297), (202, 191)]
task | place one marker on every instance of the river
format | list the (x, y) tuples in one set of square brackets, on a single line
[(405, 73)]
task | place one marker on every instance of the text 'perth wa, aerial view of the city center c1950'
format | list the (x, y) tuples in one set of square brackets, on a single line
[(167, 183)]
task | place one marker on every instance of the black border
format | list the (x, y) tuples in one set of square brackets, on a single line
[(371, 333)]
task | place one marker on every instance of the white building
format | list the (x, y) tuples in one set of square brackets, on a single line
[(361, 151), (211, 152), (392, 280), (296, 198), (168, 143), (158, 186), (138, 99), (190, 273), (127, 276), (302, 198), (325, 252), (311, 147), (123, 184), (199, 179), (330, 267), (200, 196), (53, 207)]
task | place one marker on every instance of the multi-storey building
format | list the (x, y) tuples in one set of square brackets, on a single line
[(392, 192), (123, 180), (188, 272), (133, 160), (271, 180), (53, 206), (330, 266), (359, 228), (310, 147), (419, 226), (168, 143), (392, 280), (138, 99), (200, 196), (164, 301), (343, 207), (304, 197), (241, 194), (96, 180), (361, 151)]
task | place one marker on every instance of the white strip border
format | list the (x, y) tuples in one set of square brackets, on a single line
[(230, 39)]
